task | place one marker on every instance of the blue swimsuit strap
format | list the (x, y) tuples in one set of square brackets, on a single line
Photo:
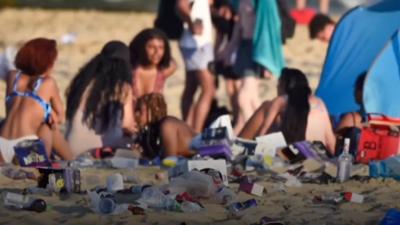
[(46, 106)]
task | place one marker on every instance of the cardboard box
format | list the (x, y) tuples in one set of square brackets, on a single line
[(189, 165), (269, 144), (243, 146), (246, 185)]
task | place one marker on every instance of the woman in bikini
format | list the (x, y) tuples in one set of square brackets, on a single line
[(33, 105), (151, 62), (160, 134), (296, 112), (99, 102)]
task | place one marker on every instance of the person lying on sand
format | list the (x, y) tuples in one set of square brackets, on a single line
[(99, 102), (296, 112), (160, 134), (34, 109)]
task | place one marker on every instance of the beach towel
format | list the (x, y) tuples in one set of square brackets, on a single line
[(267, 39)]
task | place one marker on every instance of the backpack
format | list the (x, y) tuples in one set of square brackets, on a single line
[(168, 19)]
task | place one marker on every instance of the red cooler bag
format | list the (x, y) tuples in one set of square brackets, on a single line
[(379, 140)]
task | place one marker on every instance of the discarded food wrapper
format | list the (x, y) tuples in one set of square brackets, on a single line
[(243, 146), (269, 144), (17, 173), (237, 209), (32, 153), (246, 185), (216, 151), (291, 181), (189, 165), (353, 197)]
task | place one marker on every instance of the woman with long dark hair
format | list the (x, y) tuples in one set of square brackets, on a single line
[(99, 101), (297, 113), (151, 62)]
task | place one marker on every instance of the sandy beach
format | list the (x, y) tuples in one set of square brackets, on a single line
[(93, 29)]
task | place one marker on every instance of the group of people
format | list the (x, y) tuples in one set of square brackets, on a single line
[(116, 98)]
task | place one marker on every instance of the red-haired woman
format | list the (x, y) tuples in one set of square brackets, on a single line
[(33, 105)]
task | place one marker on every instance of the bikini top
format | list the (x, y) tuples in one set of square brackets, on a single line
[(33, 94), (158, 84)]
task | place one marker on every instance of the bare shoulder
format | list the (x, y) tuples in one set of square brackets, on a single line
[(279, 101), (49, 83), (170, 121)]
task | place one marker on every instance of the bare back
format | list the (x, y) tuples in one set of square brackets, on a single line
[(24, 114)]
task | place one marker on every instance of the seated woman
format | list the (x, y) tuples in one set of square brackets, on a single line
[(161, 135), (298, 114), (151, 62), (33, 105), (355, 119), (99, 102)]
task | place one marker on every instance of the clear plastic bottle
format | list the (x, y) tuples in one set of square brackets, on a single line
[(24, 202), (68, 178), (345, 163), (155, 198), (225, 196)]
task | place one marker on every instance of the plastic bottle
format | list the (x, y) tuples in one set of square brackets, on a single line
[(107, 205), (195, 183), (68, 178), (345, 163), (24, 202), (190, 207), (225, 196), (154, 198)]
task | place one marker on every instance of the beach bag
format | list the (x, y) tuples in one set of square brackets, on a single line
[(32, 153), (168, 19), (379, 140), (150, 140)]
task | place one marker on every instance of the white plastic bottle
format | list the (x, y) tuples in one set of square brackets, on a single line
[(345, 163)]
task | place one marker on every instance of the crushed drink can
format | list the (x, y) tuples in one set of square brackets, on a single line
[(237, 209)]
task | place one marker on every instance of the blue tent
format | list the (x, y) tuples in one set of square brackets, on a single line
[(382, 86), (359, 37)]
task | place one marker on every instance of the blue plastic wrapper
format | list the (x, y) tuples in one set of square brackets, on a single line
[(389, 168), (392, 217), (32, 153)]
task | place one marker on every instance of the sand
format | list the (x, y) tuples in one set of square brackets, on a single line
[(93, 29)]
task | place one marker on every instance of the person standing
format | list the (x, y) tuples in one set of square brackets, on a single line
[(197, 51), (323, 5)]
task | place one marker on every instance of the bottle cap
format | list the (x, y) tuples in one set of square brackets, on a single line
[(347, 141)]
